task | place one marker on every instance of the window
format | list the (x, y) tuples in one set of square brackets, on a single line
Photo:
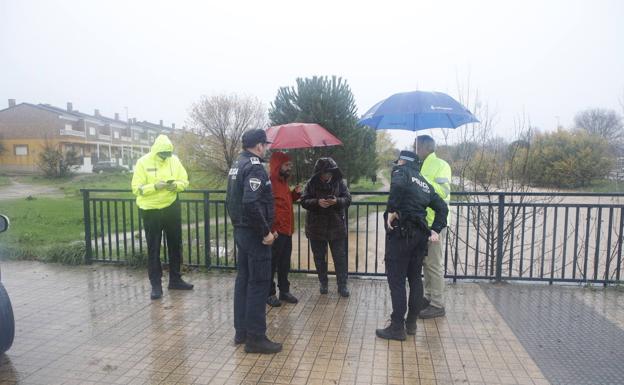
[(116, 134), (69, 127), (21, 150), (91, 130)]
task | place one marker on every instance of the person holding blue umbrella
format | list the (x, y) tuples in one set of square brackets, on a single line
[(414, 111), (407, 235)]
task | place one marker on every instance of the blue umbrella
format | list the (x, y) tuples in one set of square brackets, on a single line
[(417, 110)]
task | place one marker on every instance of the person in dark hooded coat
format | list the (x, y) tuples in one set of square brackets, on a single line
[(326, 198)]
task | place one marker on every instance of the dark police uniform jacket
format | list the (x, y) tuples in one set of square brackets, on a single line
[(249, 198), (410, 195)]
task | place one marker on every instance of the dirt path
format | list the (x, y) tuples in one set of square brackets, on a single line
[(19, 190)]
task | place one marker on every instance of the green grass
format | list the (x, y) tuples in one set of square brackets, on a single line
[(604, 186), (4, 181), (200, 180), (40, 180), (40, 227), (43, 222), (71, 185), (375, 199), (117, 181), (48, 228), (72, 254), (365, 184)]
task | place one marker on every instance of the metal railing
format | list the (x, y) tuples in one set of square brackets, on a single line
[(551, 237)]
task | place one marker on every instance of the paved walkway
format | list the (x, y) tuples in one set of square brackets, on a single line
[(96, 325)]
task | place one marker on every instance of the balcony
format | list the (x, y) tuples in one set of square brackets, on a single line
[(104, 137), (80, 134), (126, 139)]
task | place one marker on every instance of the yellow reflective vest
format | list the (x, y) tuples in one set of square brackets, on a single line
[(438, 173), (150, 169)]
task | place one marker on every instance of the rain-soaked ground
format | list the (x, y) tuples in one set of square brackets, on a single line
[(96, 325)]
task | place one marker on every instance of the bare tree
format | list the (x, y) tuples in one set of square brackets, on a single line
[(217, 123), (539, 236), (471, 150), (602, 122), (482, 162), (385, 148)]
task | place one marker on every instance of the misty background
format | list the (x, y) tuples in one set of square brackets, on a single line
[(542, 60)]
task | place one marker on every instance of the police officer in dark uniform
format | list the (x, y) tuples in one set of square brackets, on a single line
[(250, 206), (406, 241)]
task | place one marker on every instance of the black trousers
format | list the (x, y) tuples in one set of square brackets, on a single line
[(404, 257), (155, 222), (280, 263), (339, 254), (252, 282)]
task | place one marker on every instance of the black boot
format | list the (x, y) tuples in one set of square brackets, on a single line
[(240, 337), (273, 301), (288, 297), (395, 331), (179, 284), (323, 288), (262, 345), (432, 312), (343, 291), (156, 292), (410, 324)]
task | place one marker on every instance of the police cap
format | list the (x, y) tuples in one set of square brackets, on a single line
[(408, 156), (253, 137)]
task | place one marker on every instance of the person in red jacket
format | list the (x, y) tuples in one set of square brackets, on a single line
[(283, 226)]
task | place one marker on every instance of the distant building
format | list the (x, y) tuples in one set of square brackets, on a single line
[(26, 128)]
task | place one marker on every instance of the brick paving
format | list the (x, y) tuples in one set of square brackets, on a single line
[(96, 325)]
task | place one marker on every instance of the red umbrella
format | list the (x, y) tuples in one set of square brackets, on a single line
[(300, 135)]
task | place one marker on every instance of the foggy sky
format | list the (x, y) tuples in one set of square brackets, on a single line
[(544, 59)]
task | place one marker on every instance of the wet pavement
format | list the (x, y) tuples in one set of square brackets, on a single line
[(96, 325), (570, 342)]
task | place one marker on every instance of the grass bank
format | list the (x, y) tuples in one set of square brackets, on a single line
[(4, 181), (52, 229)]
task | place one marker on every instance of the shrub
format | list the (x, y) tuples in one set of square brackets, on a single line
[(71, 254), (137, 260)]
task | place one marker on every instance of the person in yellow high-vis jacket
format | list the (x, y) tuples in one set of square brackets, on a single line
[(438, 173), (158, 178)]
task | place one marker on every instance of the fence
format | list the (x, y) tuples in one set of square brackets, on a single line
[(552, 237)]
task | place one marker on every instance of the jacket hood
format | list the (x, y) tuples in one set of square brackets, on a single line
[(277, 160), (161, 144), (324, 165), (413, 165)]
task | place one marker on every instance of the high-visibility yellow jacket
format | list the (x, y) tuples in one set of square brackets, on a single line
[(438, 173), (150, 169)]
